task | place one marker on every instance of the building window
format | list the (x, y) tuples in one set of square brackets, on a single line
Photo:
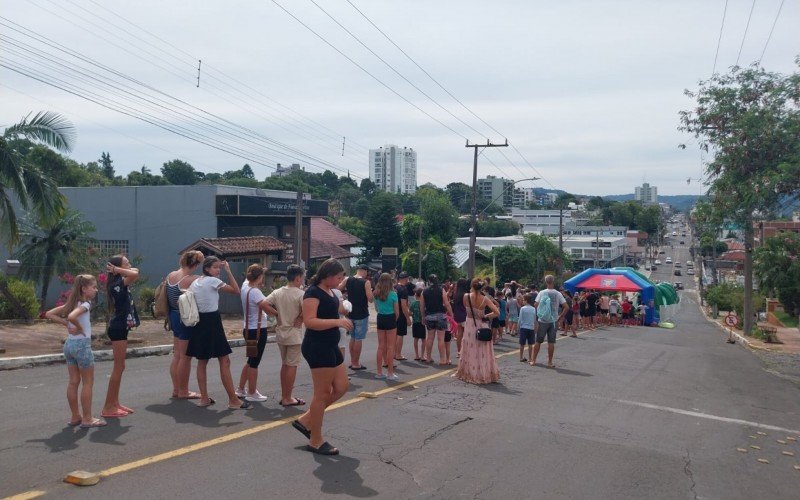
[(111, 247)]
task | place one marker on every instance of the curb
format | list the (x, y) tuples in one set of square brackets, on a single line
[(738, 338), (104, 355)]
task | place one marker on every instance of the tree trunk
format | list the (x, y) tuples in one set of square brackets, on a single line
[(47, 276), (749, 241)]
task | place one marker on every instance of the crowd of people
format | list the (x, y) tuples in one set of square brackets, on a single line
[(324, 320)]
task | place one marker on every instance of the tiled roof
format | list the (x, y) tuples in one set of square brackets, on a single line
[(327, 250), (322, 230), (732, 255), (734, 245), (241, 245)]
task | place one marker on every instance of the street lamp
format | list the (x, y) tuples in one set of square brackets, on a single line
[(473, 223)]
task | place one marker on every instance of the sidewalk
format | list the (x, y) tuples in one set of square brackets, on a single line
[(790, 338)]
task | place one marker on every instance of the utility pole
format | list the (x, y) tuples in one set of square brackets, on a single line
[(298, 230), (473, 212), (419, 266), (596, 246)]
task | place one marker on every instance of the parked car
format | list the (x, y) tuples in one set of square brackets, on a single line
[(678, 285), (657, 262), (677, 272), (669, 260), (690, 271), (682, 242), (677, 264), (689, 263)]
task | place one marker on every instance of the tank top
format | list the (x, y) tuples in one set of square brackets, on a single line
[(433, 300), (357, 295)]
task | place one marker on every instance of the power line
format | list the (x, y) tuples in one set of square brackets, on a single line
[(367, 72), (719, 39), (434, 80), (769, 37), (747, 26)]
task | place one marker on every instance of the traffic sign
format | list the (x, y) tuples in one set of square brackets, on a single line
[(731, 320)]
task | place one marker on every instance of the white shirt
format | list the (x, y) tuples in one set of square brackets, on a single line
[(85, 320), (256, 297), (556, 299), (206, 293)]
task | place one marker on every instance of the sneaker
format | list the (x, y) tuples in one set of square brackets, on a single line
[(380, 376), (393, 377), (256, 397), (240, 393)]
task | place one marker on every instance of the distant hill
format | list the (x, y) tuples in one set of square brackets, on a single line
[(681, 202)]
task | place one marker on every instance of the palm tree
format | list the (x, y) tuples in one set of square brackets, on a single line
[(33, 189), (54, 247)]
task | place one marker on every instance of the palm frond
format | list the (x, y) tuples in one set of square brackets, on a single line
[(47, 127), (43, 194), (11, 173), (9, 228)]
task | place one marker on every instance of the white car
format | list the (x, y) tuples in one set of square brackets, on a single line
[(669, 260), (690, 271), (657, 262)]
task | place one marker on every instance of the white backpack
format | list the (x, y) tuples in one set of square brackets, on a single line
[(187, 305)]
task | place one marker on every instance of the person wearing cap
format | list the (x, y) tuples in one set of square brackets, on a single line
[(405, 314), (359, 293)]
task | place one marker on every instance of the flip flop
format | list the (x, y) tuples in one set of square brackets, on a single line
[(74, 423), (210, 402), (552, 367), (324, 449), (94, 423), (192, 395), (114, 414), (244, 406), (301, 428), (401, 359), (125, 409), (417, 359), (298, 402)]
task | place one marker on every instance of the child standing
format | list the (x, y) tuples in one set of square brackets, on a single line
[(74, 314), (512, 310), (527, 327), (501, 304), (452, 326), (417, 328)]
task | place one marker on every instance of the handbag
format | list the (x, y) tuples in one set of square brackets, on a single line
[(161, 303), (251, 346), (482, 334)]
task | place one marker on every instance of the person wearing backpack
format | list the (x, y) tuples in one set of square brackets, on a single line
[(548, 303)]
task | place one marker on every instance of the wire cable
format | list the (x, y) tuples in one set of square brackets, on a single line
[(719, 39), (747, 26), (769, 37)]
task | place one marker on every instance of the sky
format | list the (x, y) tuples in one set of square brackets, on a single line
[(586, 92)]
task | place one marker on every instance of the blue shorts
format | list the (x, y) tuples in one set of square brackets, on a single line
[(78, 351), (179, 330), (526, 336), (436, 321), (360, 327)]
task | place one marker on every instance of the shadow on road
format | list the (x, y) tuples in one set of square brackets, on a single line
[(501, 388), (185, 412), (566, 371), (110, 433), (64, 440), (339, 475)]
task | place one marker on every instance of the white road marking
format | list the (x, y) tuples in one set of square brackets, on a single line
[(705, 415)]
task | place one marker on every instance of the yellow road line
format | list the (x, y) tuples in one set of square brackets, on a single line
[(246, 432)]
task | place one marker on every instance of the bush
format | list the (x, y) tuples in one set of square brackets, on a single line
[(146, 299), (25, 293)]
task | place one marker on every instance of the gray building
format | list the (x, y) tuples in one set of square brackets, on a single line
[(156, 222), (497, 190)]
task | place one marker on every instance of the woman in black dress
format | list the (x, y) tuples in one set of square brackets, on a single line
[(321, 310)]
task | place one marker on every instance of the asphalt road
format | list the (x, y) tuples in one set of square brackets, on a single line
[(629, 413)]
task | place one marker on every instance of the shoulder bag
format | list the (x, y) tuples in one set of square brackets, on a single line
[(251, 346), (161, 303), (482, 334)]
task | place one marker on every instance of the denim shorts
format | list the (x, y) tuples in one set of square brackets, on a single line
[(179, 330), (360, 327), (526, 336), (78, 351), (437, 321)]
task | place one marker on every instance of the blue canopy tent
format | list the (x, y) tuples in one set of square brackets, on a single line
[(617, 279)]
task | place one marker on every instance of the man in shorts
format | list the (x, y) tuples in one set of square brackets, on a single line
[(288, 303), (404, 320), (359, 293), (548, 328)]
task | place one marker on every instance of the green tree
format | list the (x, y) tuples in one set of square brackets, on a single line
[(54, 247), (777, 266), (107, 164), (544, 256), (360, 208), (441, 219), (368, 188), (144, 177), (749, 119), (180, 173), (353, 226), (460, 196), (19, 178), (512, 263), (382, 229)]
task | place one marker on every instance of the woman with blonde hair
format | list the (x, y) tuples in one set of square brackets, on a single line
[(176, 283), (388, 308)]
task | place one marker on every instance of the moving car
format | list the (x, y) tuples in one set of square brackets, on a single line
[(689, 263), (669, 260), (678, 285), (677, 272), (682, 242), (677, 264), (657, 262), (690, 271)]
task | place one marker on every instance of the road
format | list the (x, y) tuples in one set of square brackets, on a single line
[(629, 413)]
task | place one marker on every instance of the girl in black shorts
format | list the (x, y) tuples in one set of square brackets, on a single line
[(321, 310), (120, 275)]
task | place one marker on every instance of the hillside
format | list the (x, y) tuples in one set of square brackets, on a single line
[(680, 202)]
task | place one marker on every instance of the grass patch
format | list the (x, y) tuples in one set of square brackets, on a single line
[(788, 320)]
